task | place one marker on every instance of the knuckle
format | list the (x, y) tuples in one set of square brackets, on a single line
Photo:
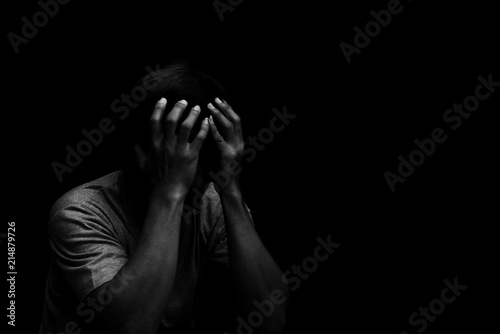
[(170, 119), (200, 134), (156, 145), (185, 126), (153, 119)]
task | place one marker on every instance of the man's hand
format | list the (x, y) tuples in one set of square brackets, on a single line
[(172, 161), (229, 140), (253, 272)]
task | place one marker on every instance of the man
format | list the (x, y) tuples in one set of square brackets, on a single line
[(126, 255)]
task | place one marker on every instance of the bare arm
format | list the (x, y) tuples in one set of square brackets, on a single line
[(255, 275), (141, 301), (140, 305)]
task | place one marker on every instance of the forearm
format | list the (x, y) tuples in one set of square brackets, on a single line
[(141, 304), (253, 271)]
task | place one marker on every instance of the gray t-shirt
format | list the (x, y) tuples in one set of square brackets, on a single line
[(92, 235)]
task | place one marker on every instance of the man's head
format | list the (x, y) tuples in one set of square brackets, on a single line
[(176, 82)]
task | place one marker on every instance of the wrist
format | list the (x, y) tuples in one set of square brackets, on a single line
[(232, 190), (172, 194)]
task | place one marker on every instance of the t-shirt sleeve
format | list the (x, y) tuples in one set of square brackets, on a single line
[(84, 248)]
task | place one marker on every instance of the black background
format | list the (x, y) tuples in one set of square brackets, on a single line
[(322, 175)]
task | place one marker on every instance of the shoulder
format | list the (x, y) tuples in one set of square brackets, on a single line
[(85, 194), (82, 204)]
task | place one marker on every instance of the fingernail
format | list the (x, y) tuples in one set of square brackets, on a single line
[(211, 106), (205, 120), (183, 102), (211, 119), (218, 100), (196, 108), (162, 100)]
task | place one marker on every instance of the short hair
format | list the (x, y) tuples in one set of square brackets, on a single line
[(175, 82)]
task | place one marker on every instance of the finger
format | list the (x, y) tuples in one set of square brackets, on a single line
[(227, 110), (202, 134), (230, 114), (172, 118), (225, 125), (156, 120), (140, 156), (215, 133), (187, 125)]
